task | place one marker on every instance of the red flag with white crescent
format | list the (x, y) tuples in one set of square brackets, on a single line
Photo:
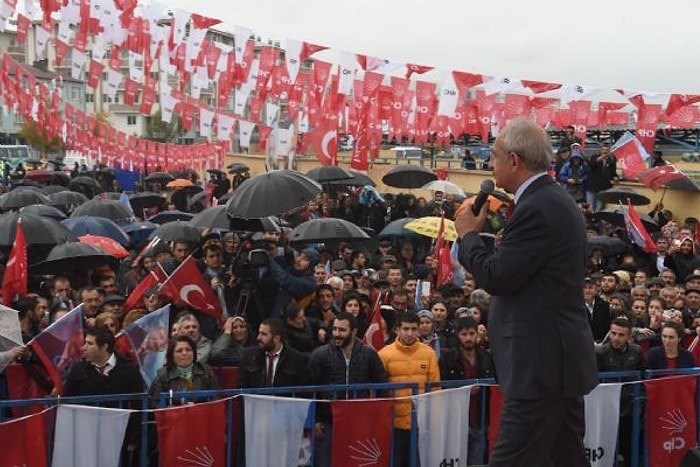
[(374, 336), (187, 285)]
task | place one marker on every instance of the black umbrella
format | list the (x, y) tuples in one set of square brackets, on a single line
[(177, 231), (139, 232), (44, 211), (145, 199), (72, 258), (217, 172), (107, 208), (358, 179), (237, 167), (87, 225), (263, 224), (25, 183), (170, 216), (686, 184), (272, 193), (51, 189), (182, 198), (67, 201), (408, 176), (328, 173), (327, 229), (37, 230), (61, 178), (396, 229), (620, 194), (617, 218), (16, 199), (159, 177), (212, 218), (84, 182), (224, 199), (610, 246)]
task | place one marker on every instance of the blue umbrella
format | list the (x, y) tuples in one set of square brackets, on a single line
[(140, 231), (88, 225)]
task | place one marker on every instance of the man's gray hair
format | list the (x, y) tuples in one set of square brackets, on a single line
[(529, 141), (480, 298)]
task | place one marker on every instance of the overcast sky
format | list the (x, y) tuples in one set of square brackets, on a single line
[(642, 45)]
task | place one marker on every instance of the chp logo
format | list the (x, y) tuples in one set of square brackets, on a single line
[(674, 421)]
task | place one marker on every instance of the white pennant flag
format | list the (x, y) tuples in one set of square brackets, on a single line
[(240, 101), (180, 20), (245, 129), (443, 426), (501, 84), (574, 92), (270, 113), (274, 428), (167, 106), (88, 436), (114, 79), (78, 60), (602, 407), (449, 96), (241, 34), (347, 63), (65, 33), (224, 125), (135, 72), (42, 37), (206, 117), (292, 56)]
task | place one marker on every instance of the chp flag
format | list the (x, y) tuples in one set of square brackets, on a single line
[(602, 408), (356, 442), (631, 155)]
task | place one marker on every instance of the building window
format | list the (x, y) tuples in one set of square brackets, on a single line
[(75, 94), (131, 120), (89, 98)]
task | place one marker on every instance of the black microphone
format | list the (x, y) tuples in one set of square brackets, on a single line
[(485, 190)]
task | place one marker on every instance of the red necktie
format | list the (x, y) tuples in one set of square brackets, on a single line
[(270, 369), (509, 210)]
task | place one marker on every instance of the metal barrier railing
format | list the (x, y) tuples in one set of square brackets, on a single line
[(635, 379)]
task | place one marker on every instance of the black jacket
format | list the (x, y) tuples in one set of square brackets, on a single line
[(599, 319), (451, 367), (291, 368), (327, 366)]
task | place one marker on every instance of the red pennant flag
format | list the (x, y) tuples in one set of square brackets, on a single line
[(193, 434), (14, 281), (678, 101), (374, 336), (308, 49), (187, 285), (22, 27), (356, 442), (495, 409), (412, 68), (95, 70), (60, 345), (203, 22), (636, 231), (656, 177), (539, 87), (670, 418), (24, 440), (445, 275), (647, 122)]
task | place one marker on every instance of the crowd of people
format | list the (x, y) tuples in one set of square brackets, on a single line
[(300, 318)]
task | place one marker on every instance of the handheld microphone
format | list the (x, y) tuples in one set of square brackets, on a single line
[(485, 190)]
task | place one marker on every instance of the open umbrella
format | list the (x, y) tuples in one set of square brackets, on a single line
[(620, 194), (610, 246), (327, 229), (37, 230), (272, 193), (170, 216), (179, 183), (212, 218), (617, 218), (237, 167), (139, 232), (445, 187), (44, 211), (84, 182), (145, 199), (177, 231), (40, 175), (262, 224), (408, 176), (397, 229), (358, 179), (668, 176), (217, 172), (430, 226), (52, 189), (106, 208), (328, 173), (67, 201), (16, 199), (109, 245), (159, 177), (71, 258), (86, 225)]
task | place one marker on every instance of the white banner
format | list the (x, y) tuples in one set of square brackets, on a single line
[(443, 426), (274, 428), (602, 420)]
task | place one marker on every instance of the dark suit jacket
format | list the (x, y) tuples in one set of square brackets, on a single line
[(291, 368), (538, 325)]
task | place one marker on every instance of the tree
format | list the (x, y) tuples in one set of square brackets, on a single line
[(163, 132), (38, 139)]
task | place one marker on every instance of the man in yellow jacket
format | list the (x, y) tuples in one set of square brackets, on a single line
[(407, 360)]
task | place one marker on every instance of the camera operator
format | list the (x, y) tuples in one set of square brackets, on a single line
[(296, 282)]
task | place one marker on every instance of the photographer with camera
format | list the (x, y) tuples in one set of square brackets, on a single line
[(296, 283)]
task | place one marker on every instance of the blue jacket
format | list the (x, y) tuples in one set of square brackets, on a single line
[(656, 359)]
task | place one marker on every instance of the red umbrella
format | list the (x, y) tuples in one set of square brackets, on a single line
[(111, 247)]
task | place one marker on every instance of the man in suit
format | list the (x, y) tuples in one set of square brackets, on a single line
[(272, 363), (538, 326)]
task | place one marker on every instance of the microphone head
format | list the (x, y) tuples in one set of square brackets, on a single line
[(487, 186)]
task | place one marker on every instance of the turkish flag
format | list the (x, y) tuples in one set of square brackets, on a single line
[(24, 440), (656, 177), (356, 442), (495, 409), (374, 336), (134, 299), (14, 281), (445, 275), (193, 434), (670, 418), (187, 285)]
